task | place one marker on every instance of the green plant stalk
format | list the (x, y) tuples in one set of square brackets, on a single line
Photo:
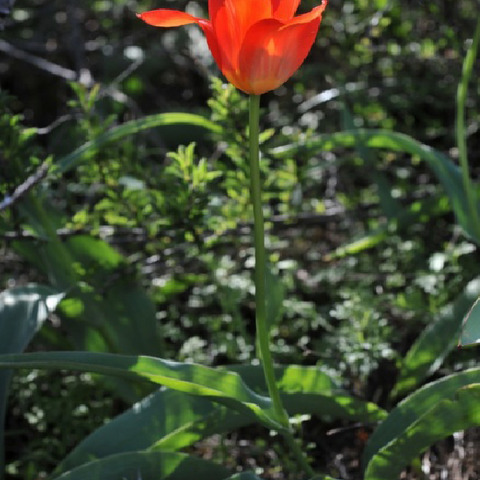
[(461, 134), (263, 334)]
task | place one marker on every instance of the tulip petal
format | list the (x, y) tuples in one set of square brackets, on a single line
[(247, 12), (231, 19), (164, 17), (284, 10), (309, 16), (273, 51)]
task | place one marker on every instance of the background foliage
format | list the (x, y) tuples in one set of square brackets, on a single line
[(143, 219)]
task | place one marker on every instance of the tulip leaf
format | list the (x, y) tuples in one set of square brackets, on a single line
[(450, 414), (170, 420), (22, 312), (436, 341), (165, 420), (147, 466), (219, 385), (471, 326), (130, 128), (446, 171), (409, 410), (309, 390)]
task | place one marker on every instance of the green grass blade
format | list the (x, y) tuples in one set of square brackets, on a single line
[(22, 312), (409, 410), (147, 466), (219, 385), (436, 341), (130, 128), (451, 414)]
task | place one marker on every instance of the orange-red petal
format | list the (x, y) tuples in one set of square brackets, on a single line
[(273, 51), (309, 16), (164, 17), (284, 10), (231, 19)]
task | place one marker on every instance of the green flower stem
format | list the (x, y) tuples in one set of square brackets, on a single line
[(461, 134), (263, 334)]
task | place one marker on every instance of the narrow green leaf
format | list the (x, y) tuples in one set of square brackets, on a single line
[(129, 128), (461, 134), (436, 341), (221, 386), (471, 326), (446, 171), (409, 410), (449, 415), (389, 205), (22, 312), (147, 466)]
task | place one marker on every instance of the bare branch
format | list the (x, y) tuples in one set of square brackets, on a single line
[(26, 186)]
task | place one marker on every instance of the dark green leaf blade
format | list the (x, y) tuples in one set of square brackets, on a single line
[(449, 415), (170, 420), (222, 386), (130, 128), (165, 420), (436, 341), (414, 406), (22, 312), (147, 466), (471, 326), (309, 390), (446, 171)]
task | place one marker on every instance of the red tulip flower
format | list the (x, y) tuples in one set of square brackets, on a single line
[(257, 44)]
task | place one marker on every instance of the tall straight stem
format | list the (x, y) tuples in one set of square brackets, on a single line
[(263, 334)]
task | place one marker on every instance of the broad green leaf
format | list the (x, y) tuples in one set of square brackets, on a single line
[(450, 414), (309, 390), (409, 410), (124, 313), (446, 171), (105, 308), (165, 420), (471, 326), (129, 128), (22, 312), (222, 386), (170, 420), (147, 466), (436, 341)]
